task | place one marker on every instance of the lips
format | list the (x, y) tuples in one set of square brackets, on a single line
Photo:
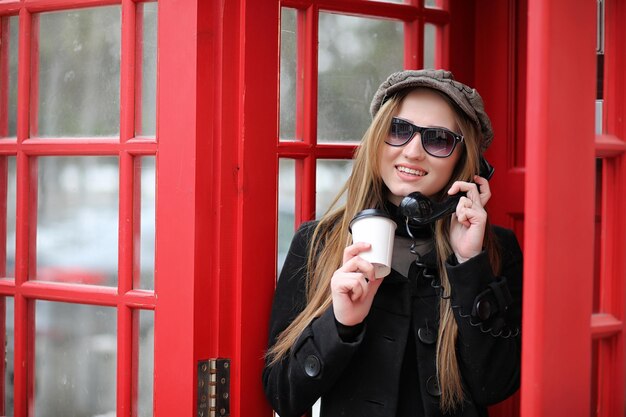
[(411, 171)]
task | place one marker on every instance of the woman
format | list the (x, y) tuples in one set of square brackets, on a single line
[(440, 334)]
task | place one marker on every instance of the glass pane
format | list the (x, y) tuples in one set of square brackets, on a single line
[(330, 177), (286, 207), (148, 222), (8, 102), (79, 73), (146, 363), (433, 4), (77, 219), (7, 309), (430, 33), (288, 42), (355, 55), (145, 123), (7, 172), (75, 360)]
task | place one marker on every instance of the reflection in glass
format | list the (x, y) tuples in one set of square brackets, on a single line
[(430, 40), (286, 207), (148, 222), (7, 309), (355, 55), (145, 123), (8, 103), (8, 163), (79, 72), (146, 363), (288, 41), (75, 359), (331, 176), (77, 219)]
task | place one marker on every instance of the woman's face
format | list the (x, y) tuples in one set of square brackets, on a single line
[(406, 169)]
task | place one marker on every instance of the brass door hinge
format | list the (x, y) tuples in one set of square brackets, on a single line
[(214, 388)]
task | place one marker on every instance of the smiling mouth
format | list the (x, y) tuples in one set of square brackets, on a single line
[(410, 171)]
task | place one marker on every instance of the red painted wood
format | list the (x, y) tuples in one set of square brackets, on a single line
[(461, 39), (24, 311), (558, 246), (127, 71), (3, 340), (257, 201), (306, 168), (176, 272), (138, 67), (4, 76), (126, 239), (405, 12), (414, 44), (496, 44), (127, 348), (612, 147)]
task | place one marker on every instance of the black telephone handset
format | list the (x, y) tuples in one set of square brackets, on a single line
[(421, 210)]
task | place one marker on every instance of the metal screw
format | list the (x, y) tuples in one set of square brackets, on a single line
[(226, 365), (225, 395), (223, 381), (204, 368), (222, 411)]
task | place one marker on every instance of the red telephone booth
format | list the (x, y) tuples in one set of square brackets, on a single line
[(156, 157)]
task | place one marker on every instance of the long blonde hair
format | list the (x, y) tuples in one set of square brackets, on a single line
[(365, 189)]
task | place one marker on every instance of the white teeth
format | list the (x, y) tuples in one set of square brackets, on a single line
[(411, 171)]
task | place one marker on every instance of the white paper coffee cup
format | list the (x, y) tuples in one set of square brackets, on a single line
[(378, 229)]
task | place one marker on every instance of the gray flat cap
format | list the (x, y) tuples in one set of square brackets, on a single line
[(468, 99)]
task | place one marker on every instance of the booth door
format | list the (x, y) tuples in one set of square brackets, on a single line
[(77, 207), (333, 56), (92, 321)]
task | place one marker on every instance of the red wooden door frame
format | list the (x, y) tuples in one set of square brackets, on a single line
[(560, 164), (126, 298), (499, 59), (608, 326), (241, 183)]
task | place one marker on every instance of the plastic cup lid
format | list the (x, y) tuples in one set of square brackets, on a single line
[(369, 213)]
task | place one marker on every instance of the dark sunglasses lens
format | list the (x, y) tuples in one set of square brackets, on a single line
[(438, 142), (400, 132)]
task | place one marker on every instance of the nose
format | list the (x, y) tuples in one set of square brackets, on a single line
[(414, 149)]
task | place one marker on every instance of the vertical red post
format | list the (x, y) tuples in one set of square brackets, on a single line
[(559, 209), (306, 168), (4, 76), (176, 275), (257, 204), (611, 146)]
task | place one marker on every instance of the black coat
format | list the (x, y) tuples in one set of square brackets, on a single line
[(359, 374)]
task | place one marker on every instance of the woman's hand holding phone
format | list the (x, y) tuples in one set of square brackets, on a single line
[(353, 286), (468, 223)]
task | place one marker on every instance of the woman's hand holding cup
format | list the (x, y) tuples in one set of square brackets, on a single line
[(353, 286)]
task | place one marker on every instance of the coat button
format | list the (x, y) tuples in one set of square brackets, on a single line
[(312, 366), (432, 386), (483, 308), (426, 335)]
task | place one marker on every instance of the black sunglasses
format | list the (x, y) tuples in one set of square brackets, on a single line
[(436, 141)]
